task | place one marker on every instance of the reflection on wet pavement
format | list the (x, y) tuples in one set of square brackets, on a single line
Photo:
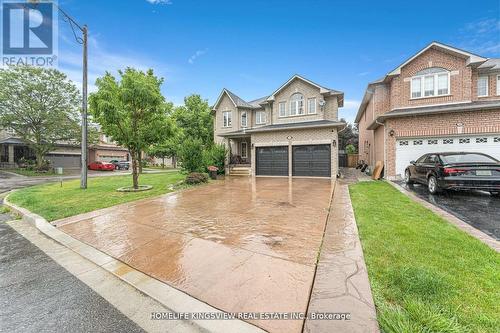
[(241, 245), (478, 209)]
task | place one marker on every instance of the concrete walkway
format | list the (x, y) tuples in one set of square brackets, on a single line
[(341, 284)]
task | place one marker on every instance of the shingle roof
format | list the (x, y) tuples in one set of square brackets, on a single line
[(236, 99), (277, 127), (493, 63)]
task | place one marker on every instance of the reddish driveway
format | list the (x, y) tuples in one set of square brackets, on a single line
[(241, 245)]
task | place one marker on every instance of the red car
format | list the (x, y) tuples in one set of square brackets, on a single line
[(105, 166)]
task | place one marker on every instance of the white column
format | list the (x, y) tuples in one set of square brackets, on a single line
[(11, 154)]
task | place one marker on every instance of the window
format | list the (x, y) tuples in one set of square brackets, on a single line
[(462, 141), (418, 142), (282, 108), (432, 142), (496, 139), (244, 119), (498, 85), (481, 140), (244, 149), (260, 117), (447, 141), (416, 87), (311, 105), (296, 104), (482, 86), (428, 86), (227, 115), (431, 81), (403, 143)]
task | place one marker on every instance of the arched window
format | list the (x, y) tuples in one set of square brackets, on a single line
[(296, 104), (429, 82)]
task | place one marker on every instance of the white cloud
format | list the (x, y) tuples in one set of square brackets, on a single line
[(481, 36), (160, 2), (196, 55)]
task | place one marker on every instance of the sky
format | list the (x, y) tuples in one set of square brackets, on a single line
[(253, 47)]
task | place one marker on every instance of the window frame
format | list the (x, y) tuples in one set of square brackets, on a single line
[(308, 105), (244, 150), (435, 83), (258, 120), (295, 103), (282, 103), (498, 85), (229, 118), (487, 85), (244, 113)]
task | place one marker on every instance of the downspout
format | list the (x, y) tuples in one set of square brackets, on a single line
[(385, 150)]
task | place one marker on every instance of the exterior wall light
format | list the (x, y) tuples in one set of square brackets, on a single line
[(289, 137), (334, 143), (391, 132)]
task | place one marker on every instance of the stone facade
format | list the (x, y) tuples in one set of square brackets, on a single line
[(394, 92)]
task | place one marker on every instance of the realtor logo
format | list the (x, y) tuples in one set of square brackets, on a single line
[(29, 33)]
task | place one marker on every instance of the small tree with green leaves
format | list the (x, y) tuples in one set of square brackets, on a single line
[(41, 106), (131, 111)]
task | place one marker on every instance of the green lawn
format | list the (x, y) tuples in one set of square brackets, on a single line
[(54, 202), (31, 173), (426, 275)]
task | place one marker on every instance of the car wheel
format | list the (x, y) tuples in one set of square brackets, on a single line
[(408, 178), (432, 185)]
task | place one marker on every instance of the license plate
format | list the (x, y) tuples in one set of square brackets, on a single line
[(483, 172)]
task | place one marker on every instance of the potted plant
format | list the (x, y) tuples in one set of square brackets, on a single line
[(212, 170)]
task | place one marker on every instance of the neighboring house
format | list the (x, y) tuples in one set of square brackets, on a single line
[(292, 132), (65, 155), (441, 99)]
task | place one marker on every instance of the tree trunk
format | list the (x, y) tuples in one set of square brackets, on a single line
[(139, 159), (174, 162), (39, 160), (163, 162), (135, 174)]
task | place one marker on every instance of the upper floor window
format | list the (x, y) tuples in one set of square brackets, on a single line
[(244, 117), (482, 86), (498, 85), (226, 116), (260, 117), (430, 82), (296, 104), (282, 109), (311, 105)]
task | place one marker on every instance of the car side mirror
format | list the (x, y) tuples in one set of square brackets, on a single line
[(413, 162)]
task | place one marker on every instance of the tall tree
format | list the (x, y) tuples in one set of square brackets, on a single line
[(41, 106), (195, 119), (131, 111), (348, 136)]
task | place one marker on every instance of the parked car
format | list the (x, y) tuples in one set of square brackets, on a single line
[(455, 171), (120, 165), (104, 166)]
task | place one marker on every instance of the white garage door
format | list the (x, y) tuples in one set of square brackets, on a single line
[(411, 149)]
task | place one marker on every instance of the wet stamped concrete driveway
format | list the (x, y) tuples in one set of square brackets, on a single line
[(241, 245)]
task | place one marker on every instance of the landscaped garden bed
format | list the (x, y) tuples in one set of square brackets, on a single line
[(426, 275)]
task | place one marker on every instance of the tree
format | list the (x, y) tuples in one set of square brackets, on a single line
[(348, 136), (41, 106), (131, 111), (191, 154), (195, 119)]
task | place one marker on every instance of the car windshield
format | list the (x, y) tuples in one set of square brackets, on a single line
[(467, 158)]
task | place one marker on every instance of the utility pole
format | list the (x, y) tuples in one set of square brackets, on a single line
[(83, 180)]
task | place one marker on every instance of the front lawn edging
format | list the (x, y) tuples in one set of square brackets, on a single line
[(476, 233), (173, 299), (132, 189)]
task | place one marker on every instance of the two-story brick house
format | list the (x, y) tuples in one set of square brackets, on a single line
[(291, 132), (441, 99)]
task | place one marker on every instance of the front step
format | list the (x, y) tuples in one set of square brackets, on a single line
[(240, 171)]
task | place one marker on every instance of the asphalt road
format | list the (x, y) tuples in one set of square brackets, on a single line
[(38, 295), (477, 208)]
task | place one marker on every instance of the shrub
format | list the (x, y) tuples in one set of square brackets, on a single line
[(350, 149), (216, 156), (196, 178), (191, 155)]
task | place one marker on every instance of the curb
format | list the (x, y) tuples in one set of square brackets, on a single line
[(173, 299), (476, 233)]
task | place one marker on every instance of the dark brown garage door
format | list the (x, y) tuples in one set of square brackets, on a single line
[(272, 161), (312, 161)]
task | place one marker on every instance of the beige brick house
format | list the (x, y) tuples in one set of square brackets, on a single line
[(441, 99), (291, 132)]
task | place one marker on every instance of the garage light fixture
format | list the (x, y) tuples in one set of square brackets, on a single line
[(391, 132), (334, 143), (289, 137)]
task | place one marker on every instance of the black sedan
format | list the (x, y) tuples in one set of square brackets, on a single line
[(120, 165), (455, 171)]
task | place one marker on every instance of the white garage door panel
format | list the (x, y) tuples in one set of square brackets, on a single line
[(411, 149)]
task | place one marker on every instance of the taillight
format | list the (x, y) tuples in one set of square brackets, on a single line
[(452, 171)]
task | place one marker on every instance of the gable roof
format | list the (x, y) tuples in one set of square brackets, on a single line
[(237, 101), (322, 90), (471, 57)]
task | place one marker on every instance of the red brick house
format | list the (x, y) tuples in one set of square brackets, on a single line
[(440, 99)]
